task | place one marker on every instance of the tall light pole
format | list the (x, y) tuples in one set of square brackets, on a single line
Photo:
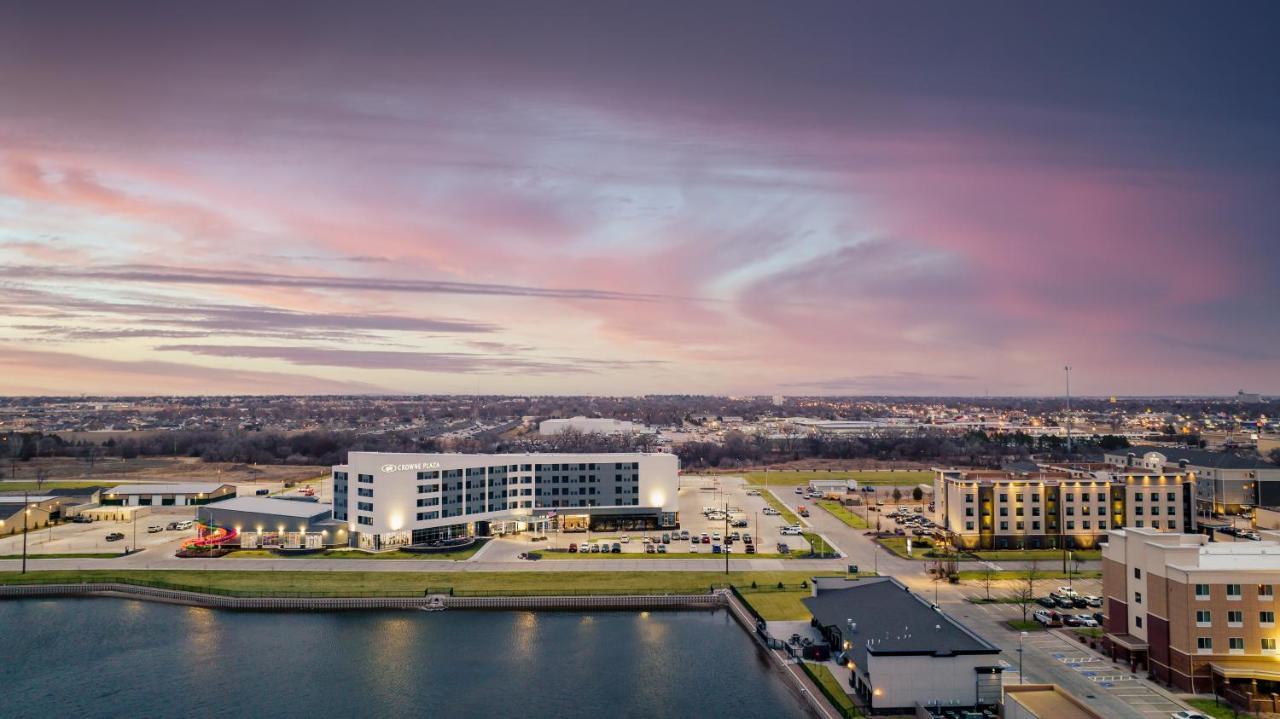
[(1067, 369), (1021, 636)]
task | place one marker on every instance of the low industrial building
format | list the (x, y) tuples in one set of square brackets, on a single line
[(589, 425), (1225, 482), (392, 500), (1070, 506), (903, 653), (167, 495), (13, 522), (833, 486), (61, 504), (1198, 615), (267, 522)]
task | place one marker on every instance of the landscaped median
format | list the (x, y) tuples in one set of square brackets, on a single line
[(736, 554), (73, 555), (251, 583), (795, 478), (840, 512), (922, 546), (787, 515)]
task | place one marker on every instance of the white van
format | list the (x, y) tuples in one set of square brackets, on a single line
[(793, 530)]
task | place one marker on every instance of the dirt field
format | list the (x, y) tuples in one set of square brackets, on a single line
[(174, 469)]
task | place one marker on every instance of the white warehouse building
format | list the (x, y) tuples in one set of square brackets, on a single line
[(589, 425), (398, 499)]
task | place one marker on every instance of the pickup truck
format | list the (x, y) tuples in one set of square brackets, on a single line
[(793, 530)]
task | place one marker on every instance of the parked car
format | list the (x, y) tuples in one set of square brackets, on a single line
[(751, 549), (747, 538), (1085, 620), (573, 547), (799, 490), (186, 524), (684, 534), (115, 537), (262, 492), (662, 549), (715, 549), (155, 528), (1046, 602), (1047, 618), (740, 522), (82, 519), (783, 548), (706, 538), (693, 547), (616, 548), (793, 530), (666, 538), (1067, 591), (595, 549), (1187, 715), (770, 511), (625, 539)]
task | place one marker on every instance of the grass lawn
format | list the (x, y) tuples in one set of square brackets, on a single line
[(1014, 555), (898, 545), (344, 583), (844, 515), (1028, 626), (794, 478), (737, 554), (1218, 710), (81, 555), (353, 554), (31, 486), (777, 606), (787, 515), (978, 575), (831, 688)]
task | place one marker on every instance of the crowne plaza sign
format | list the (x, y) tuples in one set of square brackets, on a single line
[(409, 467)]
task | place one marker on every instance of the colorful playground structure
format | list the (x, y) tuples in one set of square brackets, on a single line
[(209, 536)]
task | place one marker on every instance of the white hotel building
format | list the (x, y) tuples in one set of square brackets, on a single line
[(395, 499)]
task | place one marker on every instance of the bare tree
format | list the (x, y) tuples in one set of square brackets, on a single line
[(1026, 593), (988, 574)]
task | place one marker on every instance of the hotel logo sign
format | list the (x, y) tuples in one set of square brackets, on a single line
[(409, 467)]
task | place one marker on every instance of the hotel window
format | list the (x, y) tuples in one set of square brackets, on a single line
[(1172, 524), (1020, 526), (1233, 592), (1087, 524), (1004, 498), (1204, 645), (1171, 510), (968, 511), (1138, 524), (1137, 621), (364, 492), (1035, 511), (1235, 619), (1236, 645), (1004, 526), (364, 506), (365, 478), (1267, 618), (1202, 591), (1034, 526), (1137, 597), (367, 521), (968, 526), (1137, 573), (1268, 645), (1035, 498), (1102, 524), (1137, 511), (1172, 497), (1071, 524), (1265, 592), (1102, 496), (1203, 617), (968, 498), (1071, 497), (1018, 511), (1004, 511)]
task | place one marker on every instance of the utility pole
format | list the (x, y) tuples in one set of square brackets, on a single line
[(1067, 369), (726, 536), (26, 512)]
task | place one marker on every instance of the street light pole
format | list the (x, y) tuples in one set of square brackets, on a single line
[(26, 512), (1021, 636), (726, 537)]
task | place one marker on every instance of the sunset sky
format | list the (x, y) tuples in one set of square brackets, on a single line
[(629, 198)]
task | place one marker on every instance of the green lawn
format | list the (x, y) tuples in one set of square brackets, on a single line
[(81, 555), (354, 554), (1218, 710), (1028, 626), (844, 515), (31, 486), (787, 515), (1022, 574), (898, 545), (777, 605), (737, 554), (344, 583), (831, 688), (1015, 555), (793, 478)]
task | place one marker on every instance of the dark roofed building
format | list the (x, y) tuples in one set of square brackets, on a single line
[(1225, 481), (901, 650)]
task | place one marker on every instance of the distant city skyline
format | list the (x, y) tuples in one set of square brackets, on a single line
[(624, 199)]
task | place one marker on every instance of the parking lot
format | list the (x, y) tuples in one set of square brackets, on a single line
[(91, 538)]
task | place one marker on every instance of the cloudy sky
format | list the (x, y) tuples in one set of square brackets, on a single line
[(624, 198)]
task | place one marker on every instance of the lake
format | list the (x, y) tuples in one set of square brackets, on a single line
[(126, 658)]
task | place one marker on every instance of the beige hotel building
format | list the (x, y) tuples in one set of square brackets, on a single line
[(1198, 615), (1054, 507)]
